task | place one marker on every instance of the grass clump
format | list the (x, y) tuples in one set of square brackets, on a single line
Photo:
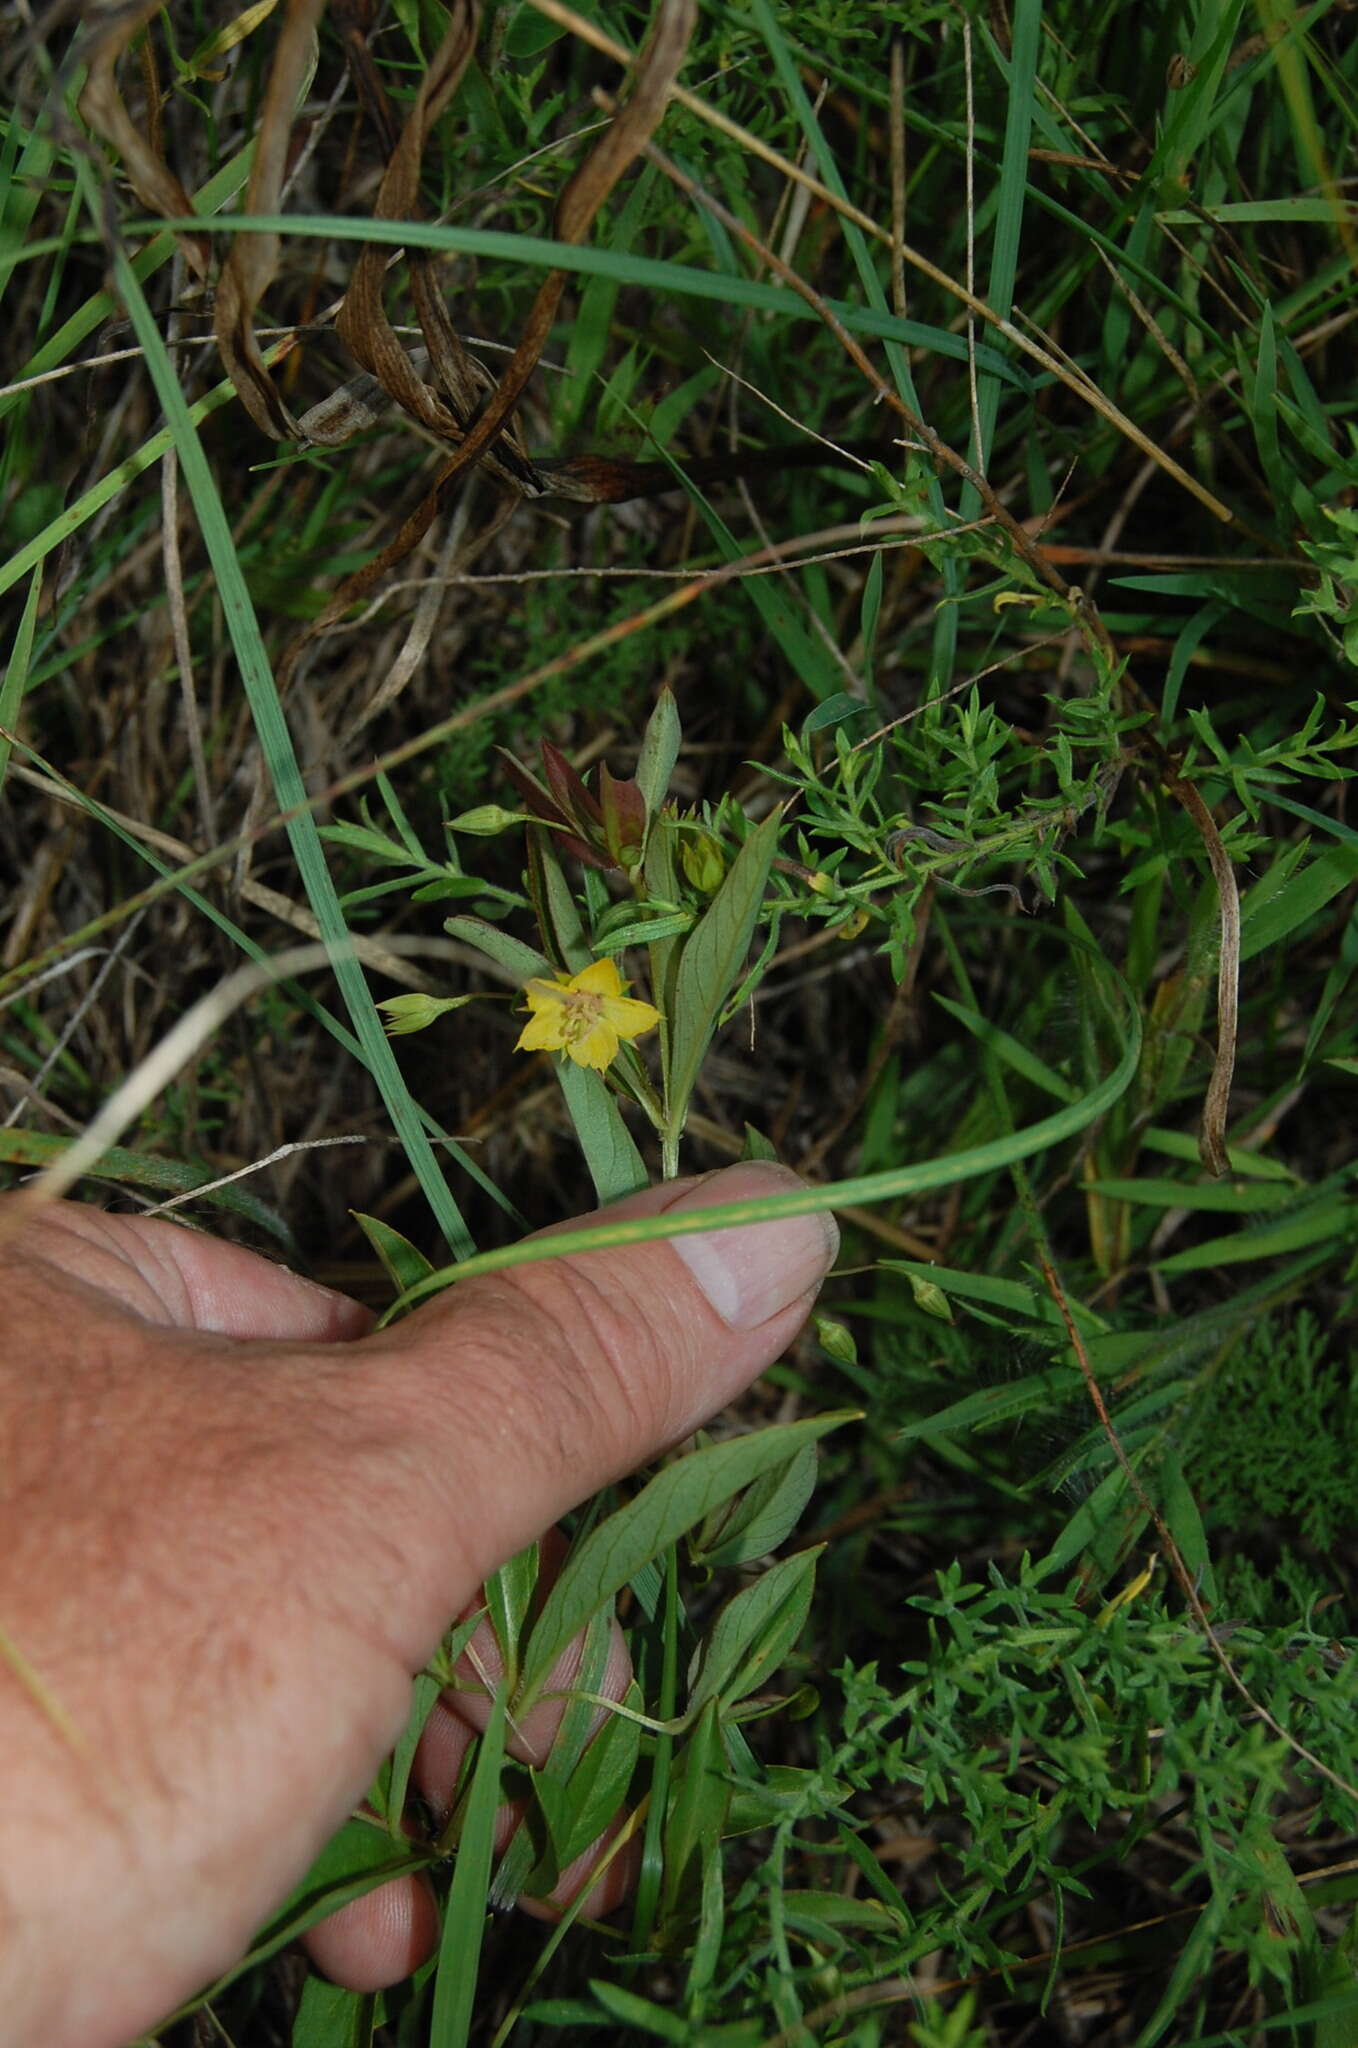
[(946, 541)]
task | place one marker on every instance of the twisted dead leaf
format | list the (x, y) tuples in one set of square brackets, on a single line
[(111, 26), (250, 268)]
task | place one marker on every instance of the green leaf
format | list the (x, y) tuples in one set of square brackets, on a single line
[(1020, 65), (464, 1915), (331, 2017), (578, 1808), (1244, 1163), (275, 738), (509, 1595), (818, 1912), (677, 1498), (16, 672), (523, 962), (1010, 1051), (141, 1169), (1015, 1297), (761, 1517), (424, 1695), (1312, 1223), (1109, 1513), (628, 930), (640, 2013), (403, 1262), (711, 961), (754, 1632), (1264, 922), (1184, 1522), (699, 1799), (996, 1404), (830, 711), (615, 1165), (1206, 1195), (659, 751)]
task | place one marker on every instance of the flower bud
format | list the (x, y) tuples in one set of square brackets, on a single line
[(486, 820), (702, 861), (416, 1012)]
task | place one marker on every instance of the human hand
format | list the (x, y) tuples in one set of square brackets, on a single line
[(234, 1521)]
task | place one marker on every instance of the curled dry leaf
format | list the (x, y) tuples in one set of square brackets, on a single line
[(446, 406), (110, 27), (622, 141), (249, 269), (483, 433)]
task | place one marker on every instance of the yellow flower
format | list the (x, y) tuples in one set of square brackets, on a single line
[(585, 1017)]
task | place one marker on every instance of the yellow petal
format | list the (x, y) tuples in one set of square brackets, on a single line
[(544, 1031), (628, 1017), (545, 995), (600, 978), (595, 1048)]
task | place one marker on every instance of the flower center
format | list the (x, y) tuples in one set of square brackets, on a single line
[(583, 1012)]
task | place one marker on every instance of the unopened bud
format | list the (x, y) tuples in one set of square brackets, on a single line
[(702, 861), (487, 819), (836, 1340), (416, 1012)]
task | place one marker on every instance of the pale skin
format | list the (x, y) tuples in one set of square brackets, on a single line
[(235, 1520)]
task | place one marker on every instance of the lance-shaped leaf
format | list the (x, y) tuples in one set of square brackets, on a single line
[(698, 1808), (673, 1502), (659, 752), (568, 789), (711, 963), (579, 1806), (759, 1519), (754, 1632)]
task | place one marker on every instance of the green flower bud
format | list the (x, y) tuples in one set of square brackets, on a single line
[(836, 1340), (487, 819), (416, 1012), (702, 861)]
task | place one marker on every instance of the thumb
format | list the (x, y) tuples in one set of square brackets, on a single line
[(521, 1392)]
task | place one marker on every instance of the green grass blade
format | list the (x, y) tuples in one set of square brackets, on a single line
[(276, 743), (1013, 187), (16, 672), (646, 273), (464, 1915)]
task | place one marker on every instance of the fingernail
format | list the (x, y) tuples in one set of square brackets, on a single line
[(755, 1270)]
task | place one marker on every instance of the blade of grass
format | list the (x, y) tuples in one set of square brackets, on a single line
[(464, 1915), (1021, 76), (276, 743), (16, 673)]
